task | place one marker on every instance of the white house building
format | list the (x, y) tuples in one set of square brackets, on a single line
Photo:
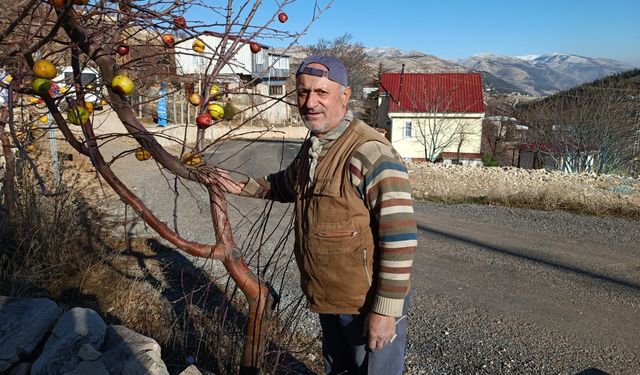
[(435, 117)]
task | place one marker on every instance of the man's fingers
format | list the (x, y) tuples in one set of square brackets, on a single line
[(379, 343)]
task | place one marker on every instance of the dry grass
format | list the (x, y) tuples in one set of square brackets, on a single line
[(57, 247), (63, 248), (535, 189)]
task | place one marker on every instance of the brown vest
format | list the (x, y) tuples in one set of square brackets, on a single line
[(335, 246)]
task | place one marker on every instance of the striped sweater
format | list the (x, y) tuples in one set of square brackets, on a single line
[(381, 179)]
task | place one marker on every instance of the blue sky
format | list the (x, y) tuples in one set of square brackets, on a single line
[(461, 28)]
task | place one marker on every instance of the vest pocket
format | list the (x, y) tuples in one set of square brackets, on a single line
[(340, 264)]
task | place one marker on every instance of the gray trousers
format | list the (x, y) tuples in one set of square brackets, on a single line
[(345, 350)]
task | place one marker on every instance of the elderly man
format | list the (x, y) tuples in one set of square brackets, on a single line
[(355, 234)]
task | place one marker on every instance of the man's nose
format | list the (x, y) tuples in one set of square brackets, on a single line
[(312, 100)]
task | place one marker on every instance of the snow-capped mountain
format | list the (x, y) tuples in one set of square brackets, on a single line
[(545, 74), (414, 61), (537, 75)]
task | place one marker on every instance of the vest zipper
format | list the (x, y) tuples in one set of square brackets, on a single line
[(366, 268), (337, 234)]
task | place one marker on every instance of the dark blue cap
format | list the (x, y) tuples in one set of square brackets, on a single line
[(335, 69)]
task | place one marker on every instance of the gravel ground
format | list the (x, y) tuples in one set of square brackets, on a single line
[(454, 327), (452, 333)]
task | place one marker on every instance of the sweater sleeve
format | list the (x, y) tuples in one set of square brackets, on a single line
[(381, 178), (276, 186)]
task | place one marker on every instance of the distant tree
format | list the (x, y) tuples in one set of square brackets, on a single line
[(353, 56), (591, 128), (499, 129), (371, 100)]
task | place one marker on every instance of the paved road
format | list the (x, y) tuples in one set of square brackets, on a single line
[(496, 290)]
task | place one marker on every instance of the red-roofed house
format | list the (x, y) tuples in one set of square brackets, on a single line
[(433, 116)]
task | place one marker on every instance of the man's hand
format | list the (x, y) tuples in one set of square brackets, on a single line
[(222, 178), (380, 330)]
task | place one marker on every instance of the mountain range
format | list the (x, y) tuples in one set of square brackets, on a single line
[(536, 75)]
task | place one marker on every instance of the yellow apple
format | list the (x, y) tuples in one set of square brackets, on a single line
[(192, 159), (215, 91), (122, 84), (195, 99), (216, 111), (45, 69), (143, 154), (198, 46), (78, 115)]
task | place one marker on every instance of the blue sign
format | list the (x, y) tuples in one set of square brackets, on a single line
[(162, 106)]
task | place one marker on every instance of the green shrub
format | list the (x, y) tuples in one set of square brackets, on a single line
[(489, 160)]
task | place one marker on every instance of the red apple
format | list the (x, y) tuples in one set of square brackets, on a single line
[(204, 120), (122, 50), (254, 47), (282, 17), (179, 22), (57, 3), (168, 40)]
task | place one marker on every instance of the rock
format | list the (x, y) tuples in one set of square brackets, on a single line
[(20, 369), (145, 363), (89, 367), (191, 370), (128, 352), (88, 353), (23, 325), (76, 327)]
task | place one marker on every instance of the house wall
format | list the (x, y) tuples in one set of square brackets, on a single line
[(268, 110), (190, 62), (411, 148)]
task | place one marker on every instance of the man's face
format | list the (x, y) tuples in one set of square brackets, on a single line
[(322, 102)]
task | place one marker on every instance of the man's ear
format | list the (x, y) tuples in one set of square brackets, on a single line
[(346, 95)]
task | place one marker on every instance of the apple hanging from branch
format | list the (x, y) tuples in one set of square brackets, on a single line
[(255, 47), (179, 22), (168, 40), (204, 120), (78, 115), (122, 50), (122, 84), (143, 154), (198, 46), (282, 17), (216, 111), (41, 85), (45, 69), (195, 99)]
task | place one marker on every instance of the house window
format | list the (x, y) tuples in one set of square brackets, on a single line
[(408, 132), (275, 90)]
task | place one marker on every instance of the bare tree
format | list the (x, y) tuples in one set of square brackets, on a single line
[(588, 129), (354, 57), (438, 128), (90, 33)]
